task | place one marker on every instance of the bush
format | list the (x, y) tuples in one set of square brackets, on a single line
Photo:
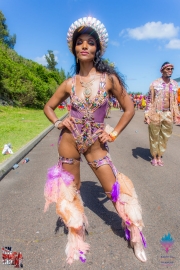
[(25, 82)]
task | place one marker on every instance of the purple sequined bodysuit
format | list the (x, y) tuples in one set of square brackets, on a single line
[(88, 115)]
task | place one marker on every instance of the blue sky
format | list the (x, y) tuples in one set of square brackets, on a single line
[(143, 34)]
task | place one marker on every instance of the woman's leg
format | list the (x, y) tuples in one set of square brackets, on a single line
[(63, 187), (67, 149), (127, 204)]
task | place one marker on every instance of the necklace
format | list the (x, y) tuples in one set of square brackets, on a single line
[(87, 91)]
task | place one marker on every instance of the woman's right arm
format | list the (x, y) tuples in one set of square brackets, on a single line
[(61, 94)]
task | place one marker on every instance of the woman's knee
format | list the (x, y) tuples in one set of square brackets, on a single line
[(108, 194)]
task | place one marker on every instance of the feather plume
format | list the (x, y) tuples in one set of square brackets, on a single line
[(126, 185), (59, 183), (128, 205), (67, 192), (67, 177), (132, 209), (51, 192), (135, 234), (54, 172), (115, 191), (72, 213), (76, 245)]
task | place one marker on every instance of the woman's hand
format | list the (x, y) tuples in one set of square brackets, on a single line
[(104, 137), (68, 123)]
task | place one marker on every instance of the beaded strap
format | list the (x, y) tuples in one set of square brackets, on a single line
[(104, 161), (68, 160)]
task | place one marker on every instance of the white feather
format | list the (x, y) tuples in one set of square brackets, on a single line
[(67, 192)]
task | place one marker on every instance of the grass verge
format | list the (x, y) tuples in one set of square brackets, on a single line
[(18, 126)]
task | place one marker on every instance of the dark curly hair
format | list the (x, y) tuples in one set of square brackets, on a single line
[(100, 64)]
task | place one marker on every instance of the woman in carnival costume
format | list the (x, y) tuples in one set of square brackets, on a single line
[(84, 132)]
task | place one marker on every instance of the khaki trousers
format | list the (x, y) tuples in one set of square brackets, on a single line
[(159, 133)]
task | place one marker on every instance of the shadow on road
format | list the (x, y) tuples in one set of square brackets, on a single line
[(59, 224), (142, 153), (91, 193)]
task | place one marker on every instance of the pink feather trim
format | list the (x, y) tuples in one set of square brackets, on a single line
[(55, 177)]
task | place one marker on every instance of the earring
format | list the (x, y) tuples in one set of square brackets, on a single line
[(77, 60)]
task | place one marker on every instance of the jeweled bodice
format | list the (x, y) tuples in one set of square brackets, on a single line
[(88, 115)]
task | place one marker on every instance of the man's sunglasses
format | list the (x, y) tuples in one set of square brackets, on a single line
[(169, 68)]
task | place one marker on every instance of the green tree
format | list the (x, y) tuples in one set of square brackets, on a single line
[(5, 37), (109, 62), (62, 75), (50, 58), (135, 93), (68, 75), (24, 82)]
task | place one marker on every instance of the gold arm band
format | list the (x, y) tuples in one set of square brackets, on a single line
[(113, 135)]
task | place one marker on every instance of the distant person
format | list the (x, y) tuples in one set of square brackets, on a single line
[(134, 100), (143, 103), (178, 98), (161, 112), (137, 103), (84, 132)]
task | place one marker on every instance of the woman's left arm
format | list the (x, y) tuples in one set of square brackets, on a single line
[(127, 105)]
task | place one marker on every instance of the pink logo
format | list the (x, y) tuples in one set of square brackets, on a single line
[(166, 242)]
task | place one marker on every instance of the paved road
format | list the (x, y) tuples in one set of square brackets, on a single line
[(41, 237)]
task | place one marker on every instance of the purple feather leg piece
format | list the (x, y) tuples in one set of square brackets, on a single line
[(115, 191), (127, 234), (128, 223), (67, 177), (54, 172), (143, 239), (82, 257)]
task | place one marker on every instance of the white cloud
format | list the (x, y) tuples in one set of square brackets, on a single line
[(56, 58), (173, 44), (114, 43), (42, 60), (154, 30), (121, 33)]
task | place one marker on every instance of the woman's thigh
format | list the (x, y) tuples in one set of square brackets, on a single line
[(67, 149), (104, 173)]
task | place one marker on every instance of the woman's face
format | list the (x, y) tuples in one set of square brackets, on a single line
[(85, 48)]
